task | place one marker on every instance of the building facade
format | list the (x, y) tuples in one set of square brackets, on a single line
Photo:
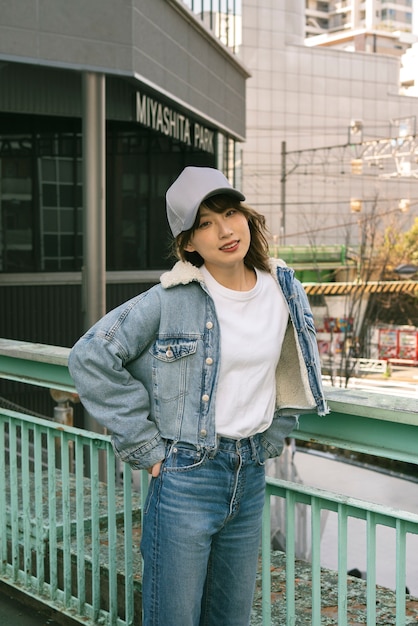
[(102, 104), (329, 140), (313, 115)]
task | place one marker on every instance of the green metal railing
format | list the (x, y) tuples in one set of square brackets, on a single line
[(61, 526), (402, 522), (70, 513)]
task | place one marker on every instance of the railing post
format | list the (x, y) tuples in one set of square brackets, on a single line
[(64, 414), (266, 561)]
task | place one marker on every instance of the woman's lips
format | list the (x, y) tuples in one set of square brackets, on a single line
[(231, 246)]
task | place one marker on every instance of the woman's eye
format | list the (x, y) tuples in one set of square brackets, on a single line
[(231, 212), (203, 224)]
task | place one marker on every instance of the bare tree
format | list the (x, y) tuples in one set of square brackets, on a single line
[(373, 262)]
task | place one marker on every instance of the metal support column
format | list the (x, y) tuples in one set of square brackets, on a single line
[(94, 203), (94, 198)]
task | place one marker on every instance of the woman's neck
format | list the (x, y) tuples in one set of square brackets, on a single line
[(241, 278)]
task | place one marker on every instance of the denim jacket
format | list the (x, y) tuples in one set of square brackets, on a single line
[(147, 371)]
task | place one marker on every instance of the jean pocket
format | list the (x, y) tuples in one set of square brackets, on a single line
[(151, 488), (260, 455), (182, 457)]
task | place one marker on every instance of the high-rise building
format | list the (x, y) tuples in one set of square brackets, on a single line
[(311, 111), (330, 82), (376, 26), (337, 15)]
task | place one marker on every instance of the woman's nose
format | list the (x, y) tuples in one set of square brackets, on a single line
[(224, 229)]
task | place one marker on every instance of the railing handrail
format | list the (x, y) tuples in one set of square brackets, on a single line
[(341, 400), (58, 426), (279, 486), (39, 352), (373, 405), (361, 421), (36, 364)]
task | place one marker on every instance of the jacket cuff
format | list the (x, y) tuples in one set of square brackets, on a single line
[(143, 457)]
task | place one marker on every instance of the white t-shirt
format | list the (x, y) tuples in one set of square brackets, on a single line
[(252, 325)]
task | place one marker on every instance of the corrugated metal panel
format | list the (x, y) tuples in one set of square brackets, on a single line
[(120, 99), (39, 90), (48, 314), (48, 91), (51, 314)]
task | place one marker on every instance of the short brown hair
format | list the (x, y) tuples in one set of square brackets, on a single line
[(258, 252)]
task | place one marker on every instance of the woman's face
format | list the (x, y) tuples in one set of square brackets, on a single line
[(221, 239)]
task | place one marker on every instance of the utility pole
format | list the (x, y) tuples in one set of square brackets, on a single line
[(283, 196)]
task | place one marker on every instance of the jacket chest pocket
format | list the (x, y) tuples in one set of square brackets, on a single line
[(170, 367), (170, 350)]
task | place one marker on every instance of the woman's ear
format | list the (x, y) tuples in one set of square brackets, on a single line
[(189, 248)]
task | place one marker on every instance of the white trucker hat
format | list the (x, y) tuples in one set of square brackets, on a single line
[(189, 190)]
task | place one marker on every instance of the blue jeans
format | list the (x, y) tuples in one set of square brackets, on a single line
[(201, 535)]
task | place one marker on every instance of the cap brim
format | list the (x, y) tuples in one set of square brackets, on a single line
[(213, 192), (223, 190)]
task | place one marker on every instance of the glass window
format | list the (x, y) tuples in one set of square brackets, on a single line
[(141, 165), (50, 247), (67, 220), (223, 17), (66, 246), (66, 195), (50, 220), (16, 214), (388, 14), (66, 173), (41, 204), (40, 198), (60, 207), (49, 169), (49, 195)]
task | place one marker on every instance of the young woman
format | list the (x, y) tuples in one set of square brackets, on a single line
[(200, 379)]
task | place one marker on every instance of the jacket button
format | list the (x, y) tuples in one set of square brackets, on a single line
[(209, 325), (203, 432), (205, 398), (209, 361), (169, 353)]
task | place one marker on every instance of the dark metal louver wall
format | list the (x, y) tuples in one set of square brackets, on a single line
[(49, 314), (52, 314)]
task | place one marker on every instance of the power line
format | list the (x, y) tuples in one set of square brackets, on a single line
[(413, 201), (358, 222)]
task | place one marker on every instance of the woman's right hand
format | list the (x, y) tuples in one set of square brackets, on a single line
[(155, 469)]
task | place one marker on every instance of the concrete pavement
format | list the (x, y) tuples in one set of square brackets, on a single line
[(404, 373), (17, 609)]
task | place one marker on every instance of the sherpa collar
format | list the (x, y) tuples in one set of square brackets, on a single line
[(183, 273)]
